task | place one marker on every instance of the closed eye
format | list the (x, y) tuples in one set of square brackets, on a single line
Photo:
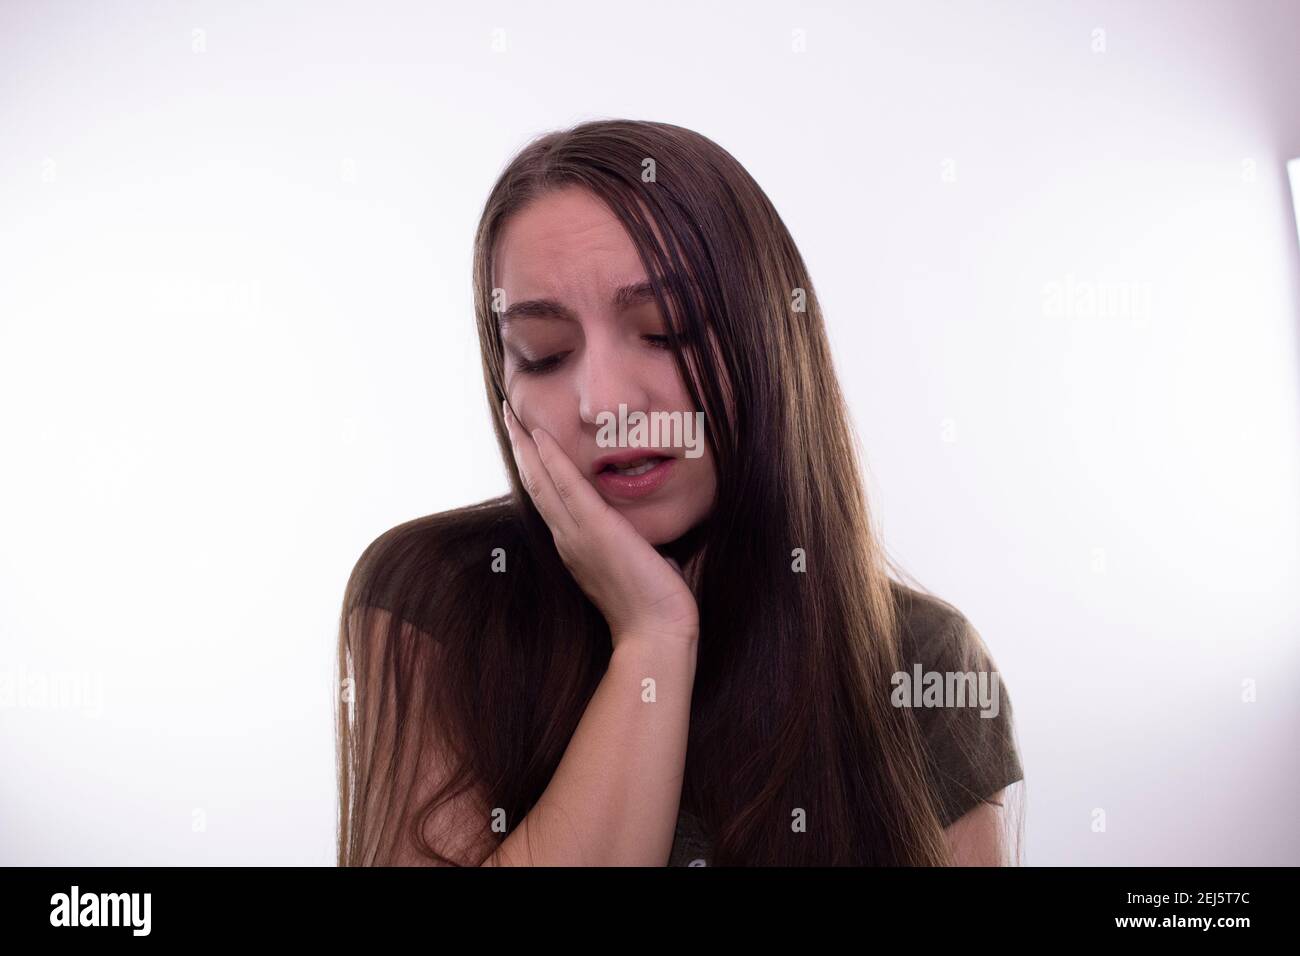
[(543, 365), (539, 366), (661, 341)]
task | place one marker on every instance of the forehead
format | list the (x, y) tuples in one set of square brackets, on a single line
[(567, 239)]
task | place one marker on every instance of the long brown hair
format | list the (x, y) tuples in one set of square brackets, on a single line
[(463, 636)]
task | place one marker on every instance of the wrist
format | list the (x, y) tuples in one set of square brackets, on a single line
[(643, 642)]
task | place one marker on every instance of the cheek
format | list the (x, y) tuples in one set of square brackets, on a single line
[(668, 383), (539, 404), (709, 481), (703, 482)]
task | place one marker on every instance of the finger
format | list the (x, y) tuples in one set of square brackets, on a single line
[(532, 473), (581, 500), (536, 480)]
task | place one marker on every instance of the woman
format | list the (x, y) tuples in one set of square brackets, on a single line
[(642, 656)]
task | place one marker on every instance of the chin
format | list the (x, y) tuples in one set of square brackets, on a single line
[(658, 525)]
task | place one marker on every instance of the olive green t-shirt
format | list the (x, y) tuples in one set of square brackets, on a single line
[(940, 639), (935, 637)]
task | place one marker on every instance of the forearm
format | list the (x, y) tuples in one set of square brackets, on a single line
[(614, 798)]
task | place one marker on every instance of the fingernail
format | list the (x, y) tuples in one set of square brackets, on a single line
[(535, 432)]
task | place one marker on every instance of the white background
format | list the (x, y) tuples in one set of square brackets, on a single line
[(237, 343)]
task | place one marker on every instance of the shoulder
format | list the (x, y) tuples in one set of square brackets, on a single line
[(951, 684), (935, 633), (413, 567)]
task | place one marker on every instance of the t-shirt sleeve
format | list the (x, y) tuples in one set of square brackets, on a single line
[(969, 735)]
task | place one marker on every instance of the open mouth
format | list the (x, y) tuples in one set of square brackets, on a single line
[(631, 469), (635, 477)]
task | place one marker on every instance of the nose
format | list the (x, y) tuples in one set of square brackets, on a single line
[(607, 379)]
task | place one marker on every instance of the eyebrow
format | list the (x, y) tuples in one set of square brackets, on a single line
[(625, 297)]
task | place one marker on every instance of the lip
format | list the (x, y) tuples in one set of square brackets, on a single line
[(623, 457), (635, 486)]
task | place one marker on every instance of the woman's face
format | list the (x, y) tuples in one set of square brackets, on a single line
[(583, 335)]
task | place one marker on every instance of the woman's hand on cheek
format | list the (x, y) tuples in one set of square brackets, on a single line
[(641, 595)]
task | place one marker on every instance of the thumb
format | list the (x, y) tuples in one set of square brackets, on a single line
[(675, 566)]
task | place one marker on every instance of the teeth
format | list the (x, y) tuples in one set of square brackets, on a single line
[(634, 468)]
